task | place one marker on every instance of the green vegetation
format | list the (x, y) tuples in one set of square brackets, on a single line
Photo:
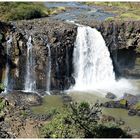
[(126, 5), (137, 106), (80, 121), (124, 10), (25, 10), (1, 37), (2, 104), (22, 10), (117, 113), (137, 49), (130, 15), (23, 113), (1, 87), (57, 10)]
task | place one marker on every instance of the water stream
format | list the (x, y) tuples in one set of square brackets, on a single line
[(7, 72), (77, 11), (48, 70), (30, 83)]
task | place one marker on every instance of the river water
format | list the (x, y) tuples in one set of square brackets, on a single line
[(76, 11)]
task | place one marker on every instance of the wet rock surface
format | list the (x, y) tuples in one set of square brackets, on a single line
[(131, 99), (116, 104), (110, 95), (128, 101), (132, 112), (18, 98)]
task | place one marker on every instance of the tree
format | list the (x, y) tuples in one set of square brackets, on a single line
[(80, 121), (1, 87)]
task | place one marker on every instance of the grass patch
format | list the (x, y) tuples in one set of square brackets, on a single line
[(1, 87), (124, 10), (130, 16), (22, 10), (57, 10), (126, 5)]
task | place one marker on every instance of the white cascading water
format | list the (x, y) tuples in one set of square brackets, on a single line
[(48, 70), (6, 81), (93, 64), (30, 83), (93, 68)]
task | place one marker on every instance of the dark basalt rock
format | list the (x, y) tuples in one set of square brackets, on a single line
[(18, 98), (116, 104), (131, 99), (56, 92), (110, 95), (106, 118), (61, 37), (138, 113), (132, 112), (128, 101), (66, 99), (135, 134), (120, 122), (4, 134)]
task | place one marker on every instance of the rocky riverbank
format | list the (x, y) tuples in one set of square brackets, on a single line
[(18, 120)]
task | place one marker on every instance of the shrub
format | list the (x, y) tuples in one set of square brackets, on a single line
[(103, 131), (80, 121), (1, 87), (2, 104), (22, 10)]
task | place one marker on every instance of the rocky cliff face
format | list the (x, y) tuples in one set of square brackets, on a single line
[(123, 40), (4, 30), (60, 36)]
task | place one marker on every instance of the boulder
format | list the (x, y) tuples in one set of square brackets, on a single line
[(135, 133), (131, 99), (66, 99), (110, 95), (56, 92), (116, 104), (132, 112), (4, 134), (120, 122), (138, 113), (107, 118), (18, 98)]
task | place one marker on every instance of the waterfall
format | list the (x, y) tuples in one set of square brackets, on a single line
[(30, 83), (6, 81), (91, 58), (48, 70), (67, 61)]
